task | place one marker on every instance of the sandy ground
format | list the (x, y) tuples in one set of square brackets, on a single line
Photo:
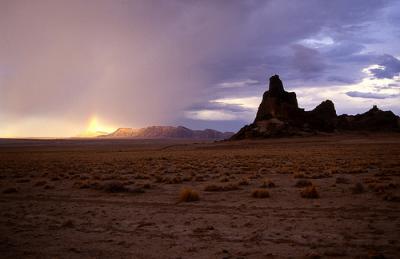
[(120, 198)]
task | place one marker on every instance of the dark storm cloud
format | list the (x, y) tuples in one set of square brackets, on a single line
[(390, 67), (309, 62)]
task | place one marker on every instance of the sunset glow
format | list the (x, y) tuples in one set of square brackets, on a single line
[(96, 128), (144, 63)]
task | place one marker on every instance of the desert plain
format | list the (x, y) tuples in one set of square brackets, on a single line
[(317, 197)]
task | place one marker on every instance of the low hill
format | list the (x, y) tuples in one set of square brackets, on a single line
[(168, 132)]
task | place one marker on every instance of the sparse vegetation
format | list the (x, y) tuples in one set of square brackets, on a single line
[(10, 190), (96, 193), (116, 187), (342, 180), (303, 183), (267, 183), (299, 175), (309, 192), (244, 181), (221, 187), (260, 193), (188, 195), (358, 188)]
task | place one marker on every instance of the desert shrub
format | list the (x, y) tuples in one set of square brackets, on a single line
[(175, 180), (23, 180), (224, 179), (88, 185), (370, 180), (113, 187), (68, 224), (188, 195), (158, 179), (303, 183), (262, 170), (116, 187), (146, 186), (221, 187), (199, 179), (309, 193), (321, 175), (244, 181), (141, 176), (10, 190), (299, 175), (84, 176), (267, 183), (40, 183), (255, 176), (358, 188), (391, 197), (260, 193), (49, 187), (187, 178), (342, 180)]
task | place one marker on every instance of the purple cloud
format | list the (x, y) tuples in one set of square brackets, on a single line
[(369, 95)]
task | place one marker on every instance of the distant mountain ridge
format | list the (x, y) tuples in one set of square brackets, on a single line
[(168, 132), (279, 115)]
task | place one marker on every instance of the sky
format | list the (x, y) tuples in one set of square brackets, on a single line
[(72, 67)]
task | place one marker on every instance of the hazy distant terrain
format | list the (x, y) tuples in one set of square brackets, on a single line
[(334, 196), (167, 132)]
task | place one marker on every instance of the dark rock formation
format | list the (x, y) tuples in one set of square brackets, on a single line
[(277, 103), (323, 117), (372, 120), (168, 132), (279, 115)]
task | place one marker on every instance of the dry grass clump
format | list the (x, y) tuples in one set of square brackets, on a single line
[(382, 188), (188, 195), (88, 185), (303, 183), (147, 186), (113, 187), (40, 183), (10, 190), (244, 181), (299, 175), (24, 180), (169, 180), (309, 193), (199, 178), (116, 187), (262, 170), (342, 180), (358, 188), (221, 187), (49, 187), (267, 183), (391, 197), (141, 177), (260, 193), (68, 224), (224, 179), (321, 175)]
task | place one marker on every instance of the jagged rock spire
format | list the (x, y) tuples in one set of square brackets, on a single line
[(275, 85), (277, 103)]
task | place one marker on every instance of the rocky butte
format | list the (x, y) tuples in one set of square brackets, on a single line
[(279, 115)]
